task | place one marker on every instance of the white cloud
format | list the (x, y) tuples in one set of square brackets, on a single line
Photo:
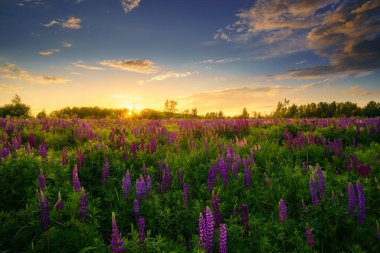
[(67, 44), (81, 64), (132, 65), (220, 61), (49, 52), (129, 5), (70, 23), (169, 74), (11, 71)]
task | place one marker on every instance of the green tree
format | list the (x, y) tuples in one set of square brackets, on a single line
[(16, 109), (41, 115), (245, 113), (170, 107)]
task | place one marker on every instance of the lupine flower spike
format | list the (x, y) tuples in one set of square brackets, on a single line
[(351, 199), (142, 230), (244, 218), (309, 236), (282, 215), (116, 238), (361, 202), (223, 238), (83, 206), (41, 181), (44, 211)]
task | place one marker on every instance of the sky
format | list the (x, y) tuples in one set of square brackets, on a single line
[(209, 54)]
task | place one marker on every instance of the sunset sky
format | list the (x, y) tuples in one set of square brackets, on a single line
[(210, 54)]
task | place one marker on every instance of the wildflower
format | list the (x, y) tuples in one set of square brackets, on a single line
[(80, 159), (136, 208), (41, 181), (244, 218), (309, 236), (43, 150), (44, 211), (267, 180), (116, 239), (247, 175), (83, 206), (223, 238), (282, 211), (126, 184), (313, 191), (361, 202), (351, 199), (303, 168), (140, 188), (75, 179), (216, 210), (142, 230), (64, 157), (321, 183), (148, 185)]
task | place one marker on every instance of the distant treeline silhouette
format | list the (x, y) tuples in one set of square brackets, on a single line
[(16, 109)]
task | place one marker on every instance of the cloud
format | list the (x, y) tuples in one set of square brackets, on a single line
[(129, 5), (277, 35), (70, 23), (9, 88), (133, 65), (169, 74), (220, 61), (79, 1), (49, 52), (81, 64), (67, 44), (11, 71), (52, 23)]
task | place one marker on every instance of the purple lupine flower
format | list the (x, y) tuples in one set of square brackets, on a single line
[(116, 238), (142, 230), (140, 188), (244, 219), (148, 185), (364, 170), (105, 172), (202, 231), (44, 211), (80, 159), (75, 179), (136, 208), (134, 148), (64, 157), (43, 150), (28, 149), (126, 184), (309, 236), (235, 169), (180, 178), (321, 183), (361, 202), (209, 230), (83, 206), (223, 238), (185, 195), (223, 170), (303, 168), (32, 140), (348, 162), (168, 178), (282, 215), (351, 199), (59, 205), (313, 192), (215, 200), (41, 181), (247, 175)]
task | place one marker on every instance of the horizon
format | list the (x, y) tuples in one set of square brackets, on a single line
[(139, 53)]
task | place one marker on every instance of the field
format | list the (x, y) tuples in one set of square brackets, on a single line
[(228, 185)]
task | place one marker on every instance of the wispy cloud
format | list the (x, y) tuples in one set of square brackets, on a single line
[(81, 64), (170, 74), (129, 5), (220, 61), (49, 52), (70, 23), (132, 65), (66, 44), (11, 71)]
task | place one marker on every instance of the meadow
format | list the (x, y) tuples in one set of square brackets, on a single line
[(218, 185)]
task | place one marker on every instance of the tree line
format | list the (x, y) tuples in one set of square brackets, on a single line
[(17, 109)]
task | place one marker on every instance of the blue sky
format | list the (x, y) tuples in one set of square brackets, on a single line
[(213, 55)]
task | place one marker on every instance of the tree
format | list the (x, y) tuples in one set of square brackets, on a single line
[(170, 107), (15, 109), (245, 113), (41, 115), (194, 112)]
